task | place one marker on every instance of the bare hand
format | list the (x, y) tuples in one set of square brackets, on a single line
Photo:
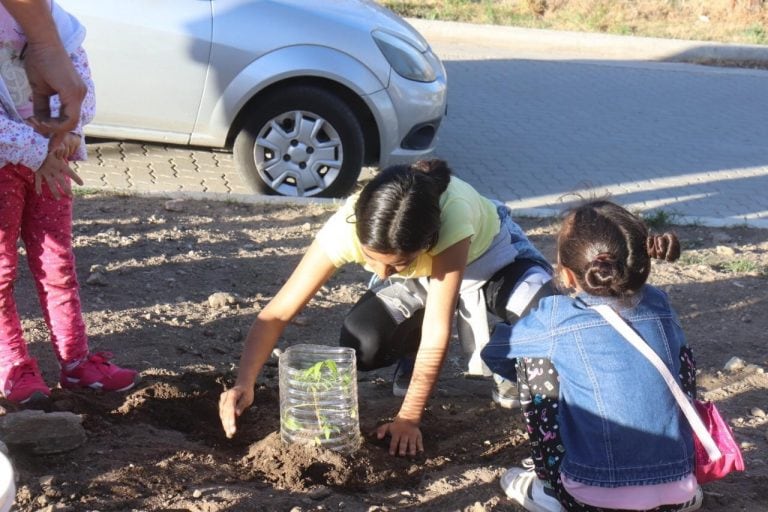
[(69, 145), (231, 405), (56, 173), (50, 71), (405, 437)]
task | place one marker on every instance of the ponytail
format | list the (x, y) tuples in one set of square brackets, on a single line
[(663, 247)]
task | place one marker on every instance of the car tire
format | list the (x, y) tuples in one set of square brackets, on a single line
[(300, 141)]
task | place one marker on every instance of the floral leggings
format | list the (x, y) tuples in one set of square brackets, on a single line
[(538, 383)]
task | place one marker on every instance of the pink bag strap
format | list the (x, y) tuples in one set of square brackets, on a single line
[(613, 318)]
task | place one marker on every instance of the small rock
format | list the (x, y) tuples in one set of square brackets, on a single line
[(734, 364), (42, 433), (319, 493), (174, 205), (98, 269), (223, 300), (477, 507), (197, 493), (47, 480), (96, 279), (757, 412)]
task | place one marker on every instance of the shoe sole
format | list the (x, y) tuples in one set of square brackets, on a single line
[(519, 497), (99, 387), (505, 403), (37, 396)]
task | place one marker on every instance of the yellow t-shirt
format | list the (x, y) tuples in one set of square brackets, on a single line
[(463, 213)]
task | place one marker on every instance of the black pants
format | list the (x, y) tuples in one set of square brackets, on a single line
[(380, 337)]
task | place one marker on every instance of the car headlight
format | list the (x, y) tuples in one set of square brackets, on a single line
[(405, 59)]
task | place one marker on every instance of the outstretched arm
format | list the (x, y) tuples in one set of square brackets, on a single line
[(445, 282), (314, 269)]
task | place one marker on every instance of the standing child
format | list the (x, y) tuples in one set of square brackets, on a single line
[(36, 205), (433, 242), (613, 437)]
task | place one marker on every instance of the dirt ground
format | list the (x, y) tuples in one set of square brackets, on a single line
[(160, 446)]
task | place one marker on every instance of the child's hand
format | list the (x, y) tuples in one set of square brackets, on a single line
[(56, 173), (231, 405), (405, 437), (68, 146)]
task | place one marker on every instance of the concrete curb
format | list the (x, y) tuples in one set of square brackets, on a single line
[(587, 45)]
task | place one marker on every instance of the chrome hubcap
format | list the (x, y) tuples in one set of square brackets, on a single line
[(298, 153)]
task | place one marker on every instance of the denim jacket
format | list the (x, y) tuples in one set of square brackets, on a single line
[(619, 423)]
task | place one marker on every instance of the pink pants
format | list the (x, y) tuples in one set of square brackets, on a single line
[(45, 226)]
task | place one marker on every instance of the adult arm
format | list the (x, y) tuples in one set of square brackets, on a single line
[(49, 68), (445, 282), (314, 269)]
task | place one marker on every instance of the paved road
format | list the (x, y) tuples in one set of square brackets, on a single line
[(533, 126)]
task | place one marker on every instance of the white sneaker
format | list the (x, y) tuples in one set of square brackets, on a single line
[(694, 503), (525, 488), (505, 393)]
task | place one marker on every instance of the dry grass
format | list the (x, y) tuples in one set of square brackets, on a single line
[(732, 21)]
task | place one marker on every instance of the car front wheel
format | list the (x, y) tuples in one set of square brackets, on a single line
[(300, 141)]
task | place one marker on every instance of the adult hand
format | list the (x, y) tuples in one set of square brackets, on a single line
[(405, 437), (232, 403), (50, 71), (57, 174)]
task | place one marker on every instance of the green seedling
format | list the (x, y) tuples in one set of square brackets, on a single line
[(320, 378)]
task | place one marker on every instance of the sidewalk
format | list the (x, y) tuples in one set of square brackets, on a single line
[(585, 45)]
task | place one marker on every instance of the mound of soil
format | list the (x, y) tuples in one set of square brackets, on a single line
[(148, 268)]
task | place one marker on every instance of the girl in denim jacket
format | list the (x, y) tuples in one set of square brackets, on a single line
[(606, 433)]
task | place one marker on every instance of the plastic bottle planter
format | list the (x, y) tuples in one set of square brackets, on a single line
[(318, 397)]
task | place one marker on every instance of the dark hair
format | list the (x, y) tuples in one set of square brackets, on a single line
[(398, 211), (609, 249)]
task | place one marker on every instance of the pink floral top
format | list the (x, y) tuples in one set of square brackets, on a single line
[(19, 143)]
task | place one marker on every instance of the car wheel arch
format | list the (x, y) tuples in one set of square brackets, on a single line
[(220, 109)]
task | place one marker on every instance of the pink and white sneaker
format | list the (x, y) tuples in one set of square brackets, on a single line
[(24, 383), (96, 372)]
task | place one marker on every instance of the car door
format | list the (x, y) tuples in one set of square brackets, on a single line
[(149, 60)]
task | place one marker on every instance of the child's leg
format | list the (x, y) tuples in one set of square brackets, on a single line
[(13, 349), (47, 233), (539, 393), (378, 332)]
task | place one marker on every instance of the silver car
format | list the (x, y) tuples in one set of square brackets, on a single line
[(305, 92)]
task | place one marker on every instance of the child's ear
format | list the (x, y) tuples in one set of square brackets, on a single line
[(567, 277)]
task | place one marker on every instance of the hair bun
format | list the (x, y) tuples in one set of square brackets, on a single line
[(603, 274), (663, 247)]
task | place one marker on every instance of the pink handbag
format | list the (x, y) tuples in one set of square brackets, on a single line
[(717, 453), (708, 469)]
